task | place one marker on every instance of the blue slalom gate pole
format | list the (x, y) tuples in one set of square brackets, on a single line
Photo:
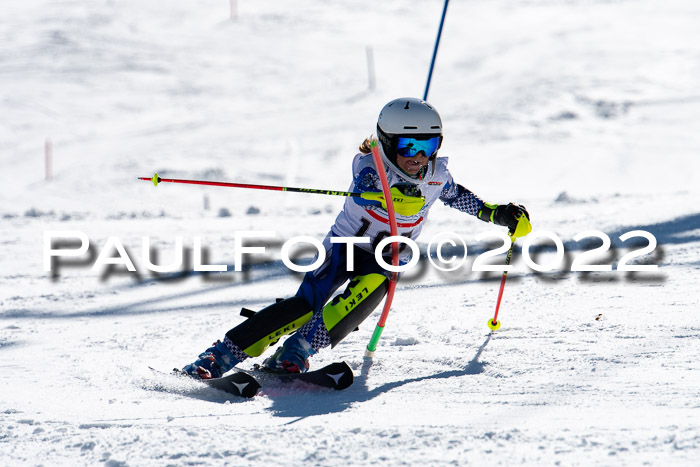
[(437, 44)]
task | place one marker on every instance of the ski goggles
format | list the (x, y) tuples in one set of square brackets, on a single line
[(410, 147)]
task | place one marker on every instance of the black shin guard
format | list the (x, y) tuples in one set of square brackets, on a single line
[(268, 325), (347, 310)]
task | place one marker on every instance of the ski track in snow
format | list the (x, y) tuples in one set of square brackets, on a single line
[(584, 111)]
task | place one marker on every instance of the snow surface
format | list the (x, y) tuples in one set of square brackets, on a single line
[(586, 111)]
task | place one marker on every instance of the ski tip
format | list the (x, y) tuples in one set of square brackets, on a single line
[(158, 372)]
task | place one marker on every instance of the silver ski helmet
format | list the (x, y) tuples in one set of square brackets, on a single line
[(407, 117)]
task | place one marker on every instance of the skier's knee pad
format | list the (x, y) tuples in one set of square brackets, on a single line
[(347, 310), (268, 325)]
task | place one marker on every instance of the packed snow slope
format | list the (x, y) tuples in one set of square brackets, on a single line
[(585, 111)]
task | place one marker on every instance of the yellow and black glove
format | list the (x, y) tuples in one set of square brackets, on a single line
[(513, 216)]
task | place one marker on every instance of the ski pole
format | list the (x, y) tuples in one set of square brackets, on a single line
[(407, 205), (494, 324), (372, 346), (435, 50), (156, 180)]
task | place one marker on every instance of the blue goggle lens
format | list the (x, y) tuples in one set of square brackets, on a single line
[(410, 147)]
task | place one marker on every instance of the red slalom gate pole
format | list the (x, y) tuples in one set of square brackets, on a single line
[(494, 324), (372, 346)]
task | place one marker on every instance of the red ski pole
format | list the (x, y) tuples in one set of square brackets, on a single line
[(404, 205), (494, 324), (156, 180)]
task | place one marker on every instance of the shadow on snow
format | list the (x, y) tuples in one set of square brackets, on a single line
[(296, 404)]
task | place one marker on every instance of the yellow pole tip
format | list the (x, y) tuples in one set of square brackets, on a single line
[(155, 179), (492, 326)]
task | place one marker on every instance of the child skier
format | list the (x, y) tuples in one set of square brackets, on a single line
[(410, 133)]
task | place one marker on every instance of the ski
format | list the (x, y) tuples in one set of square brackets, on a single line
[(239, 383), (336, 376), (246, 384)]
